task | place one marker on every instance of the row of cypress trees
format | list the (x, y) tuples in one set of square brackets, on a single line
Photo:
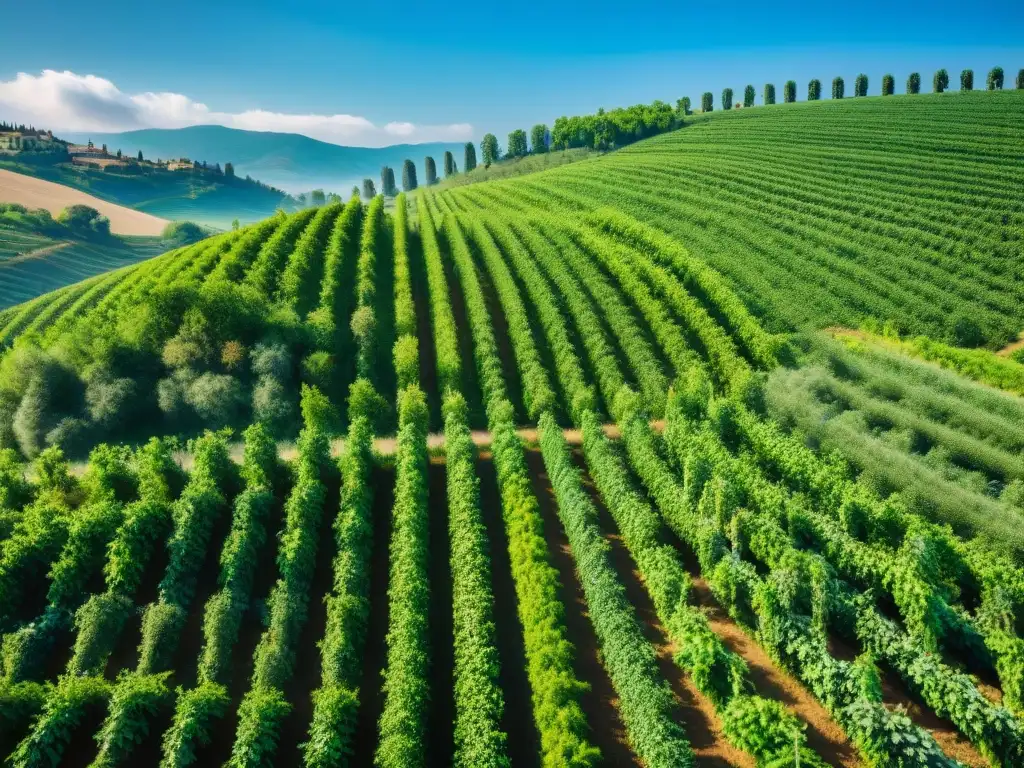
[(940, 83)]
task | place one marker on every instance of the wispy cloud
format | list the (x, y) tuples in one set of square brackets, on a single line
[(71, 102)]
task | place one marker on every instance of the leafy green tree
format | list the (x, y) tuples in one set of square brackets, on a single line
[(429, 171), (84, 221), (914, 83), (1020, 80), (369, 191), (517, 144), (995, 79), (408, 176), (940, 82), (489, 150), (449, 165), (469, 157), (318, 197), (727, 98), (789, 92), (707, 102), (539, 139), (683, 105), (769, 93), (748, 96), (967, 80), (860, 85), (888, 85), (838, 88), (814, 90)]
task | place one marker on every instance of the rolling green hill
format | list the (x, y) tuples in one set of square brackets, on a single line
[(287, 160), (606, 492)]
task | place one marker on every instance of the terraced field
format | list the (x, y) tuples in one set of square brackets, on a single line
[(682, 568)]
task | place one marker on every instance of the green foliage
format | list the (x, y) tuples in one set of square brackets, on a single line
[(888, 85), (913, 83), (707, 102), (789, 92), (259, 720), (450, 168), (1019, 82), (748, 96), (490, 152), (195, 716), (19, 705), (299, 285), (98, 623), (838, 88), (136, 700), (994, 81), (469, 157), (181, 233), (727, 98), (65, 707), (517, 146), (403, 719), (967, 80), (940, 81), (769, 93), (860, 85), (85, 221), (539, 139), (814, 90), (429, 171), (645, 700)]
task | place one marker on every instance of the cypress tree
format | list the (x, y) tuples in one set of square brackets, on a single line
[(408, 176), (967, 80), (814, 90), (888, 85), (384, 188), (789, 92), (769, 93), (140, 155), (392, 186), (449, 165), (995, 79), (430, 171), (489, 150), (941, 81), (683, 105), (748, 96), (539, 139), (727, 98), (860, 85), (1020, 80), (369, 191), (707, 102), (838, 88), (469, 158), (914, 83)]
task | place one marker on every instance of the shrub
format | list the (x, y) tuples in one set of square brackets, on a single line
[(181, 233), (940, 81), (838, 88), (84, 221), (814, 90), (707, 102), (888, 85), (273, 406), (789, 92), (218, 398), (860, 85), (748, 96), (914, 83), (769, 94), (271, 359), (967, 80), (994, 82), (727, 98)]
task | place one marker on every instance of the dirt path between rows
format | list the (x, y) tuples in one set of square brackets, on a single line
[(38, 253)]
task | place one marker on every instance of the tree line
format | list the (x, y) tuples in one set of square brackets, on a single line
[(605, 130)]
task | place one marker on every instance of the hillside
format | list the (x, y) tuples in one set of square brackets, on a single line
[(287, 160), (176, 195), (37, 193), (695, 529)]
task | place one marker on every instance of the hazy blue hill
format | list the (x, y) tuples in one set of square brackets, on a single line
[(290, 161)]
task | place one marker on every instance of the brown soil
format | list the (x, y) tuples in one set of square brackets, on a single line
[(306, 676), (38, 253), (695, 712), (441, 717), (896, 694), (37, 193), (1012, 347), (371, 698), (523, 743), (600, 703), (824, 735)]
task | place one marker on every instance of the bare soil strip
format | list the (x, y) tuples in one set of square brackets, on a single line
[(441, 717), (600, 703), (38, 193)]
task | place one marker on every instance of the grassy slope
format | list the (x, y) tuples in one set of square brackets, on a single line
[(903, 208), (170, 195)]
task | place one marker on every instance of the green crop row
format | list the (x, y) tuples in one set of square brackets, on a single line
[(274, 252), (299, 285)]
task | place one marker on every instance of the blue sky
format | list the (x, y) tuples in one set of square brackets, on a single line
[(438, 70)]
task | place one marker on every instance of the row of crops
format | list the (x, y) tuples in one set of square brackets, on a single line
[(402, 604)]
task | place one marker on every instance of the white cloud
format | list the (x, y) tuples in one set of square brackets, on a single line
[(71, 102)]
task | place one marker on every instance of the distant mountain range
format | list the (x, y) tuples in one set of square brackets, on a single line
[(289, 161)]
